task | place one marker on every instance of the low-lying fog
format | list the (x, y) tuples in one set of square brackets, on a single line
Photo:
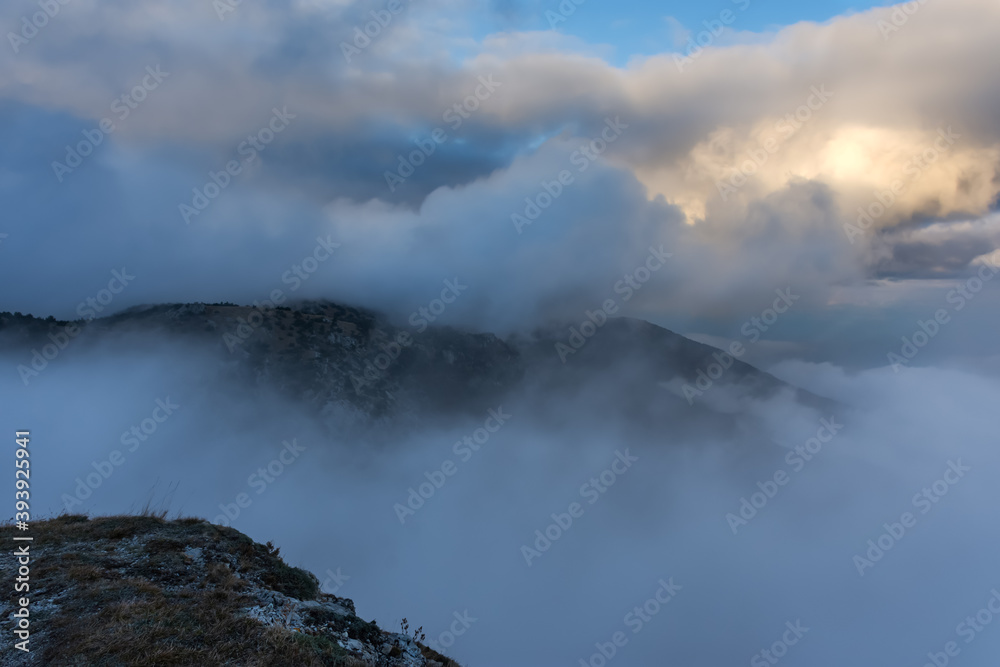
[(649, 572)]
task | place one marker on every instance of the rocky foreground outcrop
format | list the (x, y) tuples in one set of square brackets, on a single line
[(141, 590)]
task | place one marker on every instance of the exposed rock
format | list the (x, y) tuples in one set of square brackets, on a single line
[(139, 590)]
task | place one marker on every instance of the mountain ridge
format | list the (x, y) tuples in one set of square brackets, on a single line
[(356, 366)]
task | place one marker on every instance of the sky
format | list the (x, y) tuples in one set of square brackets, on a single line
[(638, 29), (752, 148)]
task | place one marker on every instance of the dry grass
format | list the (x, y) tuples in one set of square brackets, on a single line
[(127, 594)]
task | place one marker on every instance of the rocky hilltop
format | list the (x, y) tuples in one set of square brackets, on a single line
[(141, 590), (355, 367)]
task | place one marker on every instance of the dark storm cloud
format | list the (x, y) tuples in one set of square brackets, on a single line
[(938, 250)]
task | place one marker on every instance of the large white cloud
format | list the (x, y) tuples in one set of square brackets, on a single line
[(879, 100)]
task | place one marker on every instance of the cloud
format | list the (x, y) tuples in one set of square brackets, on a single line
[(666, 517), (939, 250), (845, 111)]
